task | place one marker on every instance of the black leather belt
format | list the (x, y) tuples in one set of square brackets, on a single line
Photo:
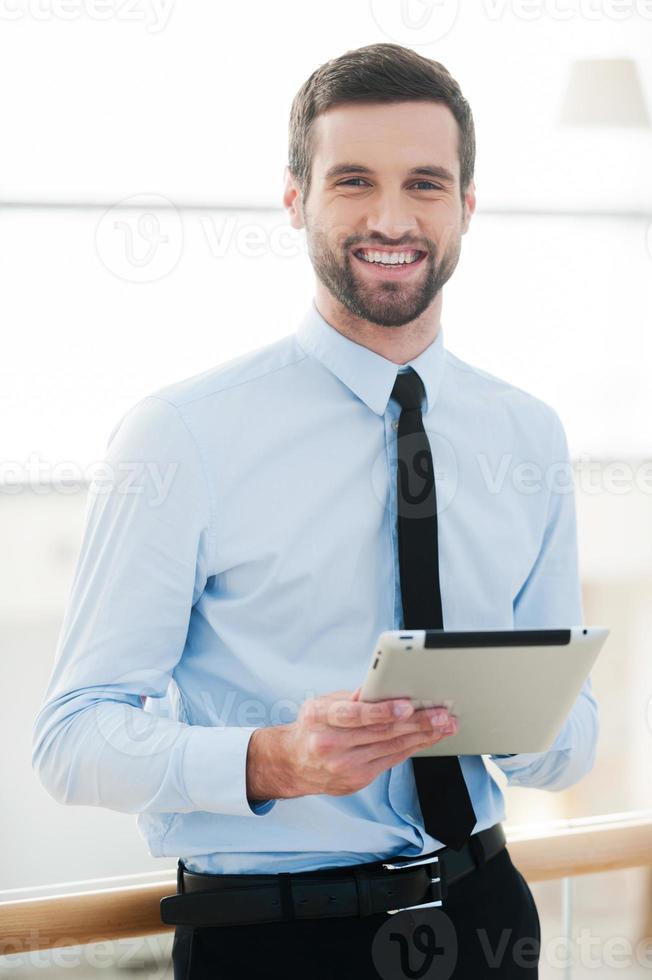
[(361, 889)]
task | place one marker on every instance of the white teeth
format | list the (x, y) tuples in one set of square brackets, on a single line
[(389, 258)]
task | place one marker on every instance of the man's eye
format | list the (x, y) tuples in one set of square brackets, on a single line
[(351, 180)]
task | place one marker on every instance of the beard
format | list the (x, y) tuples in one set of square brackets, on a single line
[(385, 303)]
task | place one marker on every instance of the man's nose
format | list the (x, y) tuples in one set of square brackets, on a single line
[(391, 216)]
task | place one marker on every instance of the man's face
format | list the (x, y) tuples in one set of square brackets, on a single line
[(386, 208)]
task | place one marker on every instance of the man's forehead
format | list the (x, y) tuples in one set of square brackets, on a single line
[(403, 134)]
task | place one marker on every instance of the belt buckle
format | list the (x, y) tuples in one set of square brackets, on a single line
[(392, 866)]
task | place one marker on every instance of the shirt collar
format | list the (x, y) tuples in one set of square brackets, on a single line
[(367, 374)]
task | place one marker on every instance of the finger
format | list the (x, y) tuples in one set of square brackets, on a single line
[(341, 713), (343, 740), (405, 744), (422, 719), (372, 734)]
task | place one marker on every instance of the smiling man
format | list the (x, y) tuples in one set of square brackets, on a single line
[(309, 843), (384, 226)]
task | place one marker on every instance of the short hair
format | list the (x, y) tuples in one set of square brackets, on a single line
[(376, 73)]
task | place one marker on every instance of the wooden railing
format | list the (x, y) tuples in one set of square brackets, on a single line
[(119, 908)]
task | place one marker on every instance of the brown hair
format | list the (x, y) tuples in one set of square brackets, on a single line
[(375, 73)]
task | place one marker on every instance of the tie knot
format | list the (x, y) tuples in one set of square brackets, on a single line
[(408, 390)]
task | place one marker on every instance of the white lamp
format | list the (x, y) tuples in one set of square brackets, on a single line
[(604, 92)]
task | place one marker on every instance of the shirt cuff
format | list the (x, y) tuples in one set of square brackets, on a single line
[(215, 770), (517, 761), (562, 743)]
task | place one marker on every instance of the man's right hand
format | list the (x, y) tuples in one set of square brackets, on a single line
[(338, 745)]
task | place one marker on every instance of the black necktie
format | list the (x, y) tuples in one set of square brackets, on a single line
[(445, 803)]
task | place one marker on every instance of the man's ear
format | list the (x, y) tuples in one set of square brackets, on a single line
[(293, 200), (469, 206)]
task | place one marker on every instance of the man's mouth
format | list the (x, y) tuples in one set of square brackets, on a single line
[(394, 263)]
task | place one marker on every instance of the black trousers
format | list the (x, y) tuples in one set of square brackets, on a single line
[(488, 927)]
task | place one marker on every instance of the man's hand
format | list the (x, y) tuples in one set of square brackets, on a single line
[(338, 745)]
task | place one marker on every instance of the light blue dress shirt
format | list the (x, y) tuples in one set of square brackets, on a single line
[(239, 555)]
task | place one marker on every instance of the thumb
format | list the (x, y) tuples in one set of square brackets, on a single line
[(356, 693)]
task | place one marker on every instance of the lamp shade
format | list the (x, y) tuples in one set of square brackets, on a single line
[(604, 92)]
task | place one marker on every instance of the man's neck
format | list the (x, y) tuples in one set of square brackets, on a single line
[(397, 344)]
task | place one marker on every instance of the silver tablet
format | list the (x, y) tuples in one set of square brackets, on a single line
[(511, 690)]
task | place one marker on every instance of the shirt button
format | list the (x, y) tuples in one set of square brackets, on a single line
[(395, 424)]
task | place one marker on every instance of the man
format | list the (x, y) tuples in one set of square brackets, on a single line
[(256, 587)]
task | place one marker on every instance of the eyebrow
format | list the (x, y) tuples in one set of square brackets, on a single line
[(429, 170)]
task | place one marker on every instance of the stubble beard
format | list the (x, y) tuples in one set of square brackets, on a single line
[(384, 303)]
